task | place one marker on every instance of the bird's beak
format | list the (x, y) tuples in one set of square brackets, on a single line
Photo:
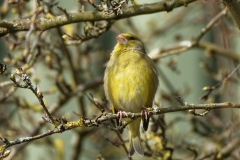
[(121, 39)]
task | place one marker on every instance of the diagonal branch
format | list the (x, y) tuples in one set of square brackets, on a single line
[(211, 88), (234, 8)]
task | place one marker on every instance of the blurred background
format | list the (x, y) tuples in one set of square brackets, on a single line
[(69, 76)]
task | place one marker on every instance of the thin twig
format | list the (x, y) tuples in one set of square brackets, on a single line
[(188, 44), (28, 84), (64, 11), (210, 24), (210, 89)]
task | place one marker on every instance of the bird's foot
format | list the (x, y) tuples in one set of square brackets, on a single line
[(145, 118), (119, 119), (120, 115)]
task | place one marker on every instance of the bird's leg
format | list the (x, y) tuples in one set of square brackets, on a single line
[(119, 119), (120, 115), (145, 118)]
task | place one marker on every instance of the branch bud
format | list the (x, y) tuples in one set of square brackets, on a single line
[(12, 77), (207, 88), (6, 153), (39, 94)]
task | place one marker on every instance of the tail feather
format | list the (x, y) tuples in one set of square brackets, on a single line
[(131, 150), (134, 138)]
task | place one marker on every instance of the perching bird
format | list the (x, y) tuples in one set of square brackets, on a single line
[(130, 83)]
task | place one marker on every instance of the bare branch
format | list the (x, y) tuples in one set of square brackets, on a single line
[(64, 126), (42, 24), (210, 24), (234, 8), (28, 85), (188, 44), (210, 89)]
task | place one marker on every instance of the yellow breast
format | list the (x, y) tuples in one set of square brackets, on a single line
[(130, 80)]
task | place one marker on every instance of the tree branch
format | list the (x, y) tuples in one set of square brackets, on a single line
[(196, 43), (234, 8), (43, 24), (211, 88), (64, 126), (185, 45)]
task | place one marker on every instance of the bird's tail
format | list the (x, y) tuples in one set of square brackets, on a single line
[(134, 138)]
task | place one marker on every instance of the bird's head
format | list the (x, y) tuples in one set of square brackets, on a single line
[(129, 41)]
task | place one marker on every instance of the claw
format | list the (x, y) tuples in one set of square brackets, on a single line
[(119, 119), (145, 119), (119, 114)]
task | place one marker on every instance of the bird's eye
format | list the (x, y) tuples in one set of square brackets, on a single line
[(131, 38)]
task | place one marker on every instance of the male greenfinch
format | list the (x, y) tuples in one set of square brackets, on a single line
[(130, 83)]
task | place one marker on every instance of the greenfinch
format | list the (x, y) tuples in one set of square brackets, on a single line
[(130, 83)]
